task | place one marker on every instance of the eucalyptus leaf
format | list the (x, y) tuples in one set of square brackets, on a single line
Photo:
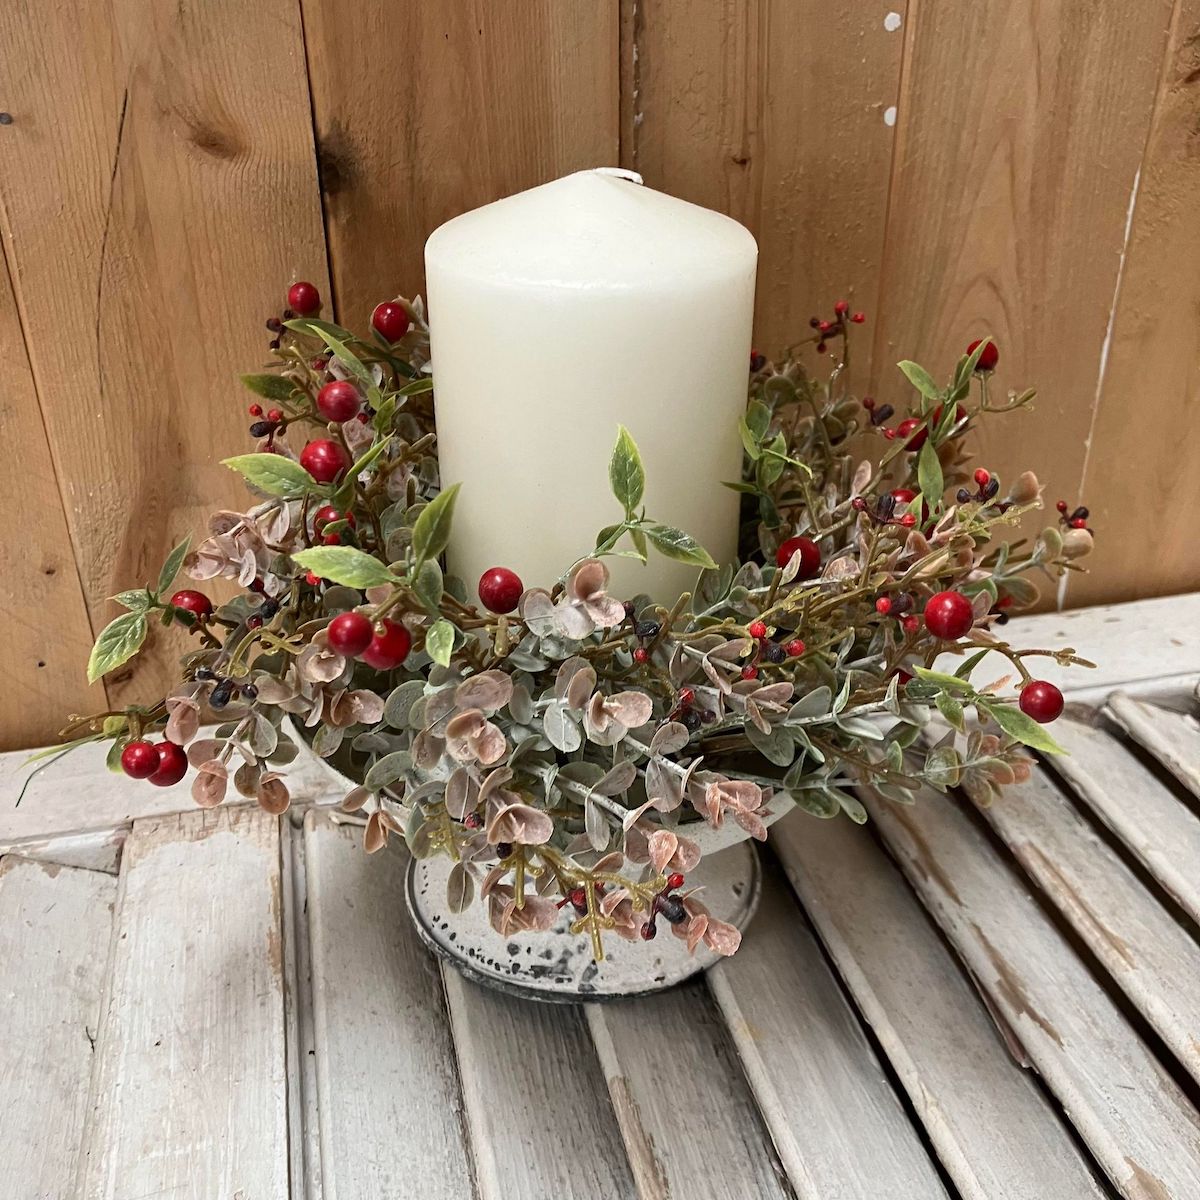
[(118, 642), (460, 888), (388, 770)]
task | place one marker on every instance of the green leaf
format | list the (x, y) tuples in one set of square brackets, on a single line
[(920, 379), (439, 642), (758, 419), (137, 600), (417, 387), (626, 473), (273, 474), (314, 327), (118, 642), (639, 543), (345, 565), (345, 490), (953, 682), (682, 547), (269, 387), (608, 537), (951, 709), (171, 567), (749, 441), (431, 531), (428, 584), (1024, 728), (929, 475), (964, 669), (337, 343)]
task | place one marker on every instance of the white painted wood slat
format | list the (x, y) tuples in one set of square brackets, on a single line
[(809, 1063), (993, 1130), (55, 932), (1172, 737), (1132, 1115), (388, 1096), (1146, 814), (189, 1093), (538, 1117), (686, 1113)]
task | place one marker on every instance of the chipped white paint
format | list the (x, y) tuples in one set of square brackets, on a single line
[(889, 115), (1173, 738), (55, 929), (892, 22)]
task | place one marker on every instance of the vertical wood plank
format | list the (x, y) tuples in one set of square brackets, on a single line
[(494, 96), (384, 1056), (1149, 399), (1019, 136), (55, 929), (189, 1092), (157, 193), (774, 111)]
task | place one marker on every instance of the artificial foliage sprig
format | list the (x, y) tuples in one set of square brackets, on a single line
[(562, 745)]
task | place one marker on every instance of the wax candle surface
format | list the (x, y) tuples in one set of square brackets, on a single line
[(558, 314)]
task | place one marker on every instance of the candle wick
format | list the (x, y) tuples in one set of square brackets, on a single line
[(618, 173)]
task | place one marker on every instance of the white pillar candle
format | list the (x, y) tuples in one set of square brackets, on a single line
[(558, 314)]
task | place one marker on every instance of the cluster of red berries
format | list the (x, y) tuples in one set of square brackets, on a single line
[(383, 644), (765, 648), (667, 905), (686, 712), (883, 511), (986, 484), (1075, 519), (327, 515), (162, 763), (836, 327)]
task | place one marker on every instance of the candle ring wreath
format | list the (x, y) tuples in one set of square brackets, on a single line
[(562, 745)]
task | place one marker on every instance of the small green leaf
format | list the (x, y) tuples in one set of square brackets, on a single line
[(137, 600), (439, 642), (345, 565), (749, 441), (608, 537), (920, 379), (273, 474), (428, 584), (626, 473), (345, 492), (951, 709), (337, 343), (314, 328), (1024, 728), (417, 387), (964, 669), (953, 682), (118, 642), (269, 387), (639, 543), (929, 475), (758, 419), (171, 567), (682, 547), (431, 531)]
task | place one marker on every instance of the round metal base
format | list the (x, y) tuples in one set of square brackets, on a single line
[(557, 966)]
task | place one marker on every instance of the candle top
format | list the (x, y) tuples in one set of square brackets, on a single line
[(592, 230)]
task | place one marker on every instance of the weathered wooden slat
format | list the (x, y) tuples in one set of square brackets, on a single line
[(809, 1064), (539, 1120), (1132, 1115), (95, 850), (189, 1091), (1148, 817), (387, 1093), (1150, 957), (1172, 737), (55, 930), (672, 1072), (988, 1121)]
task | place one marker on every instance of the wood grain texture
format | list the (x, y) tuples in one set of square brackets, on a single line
[(773, 111), (384, 1056), (1018, 140), (988, 1121), (776, 984), (1149, 394), (494, 97), (189, 1091), (1133, 1117), (1148, 816), (539, 1120), (1149, 956), (157, 193), (55, 929), (662, 1083), (1171, 737)]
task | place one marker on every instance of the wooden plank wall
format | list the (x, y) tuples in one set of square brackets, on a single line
[(952, 169)]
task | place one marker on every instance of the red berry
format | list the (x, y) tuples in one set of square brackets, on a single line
[(339, 401), (910, 625), (890, 434), (649, 932), (948, 615), (327, 514), (139, 760), (686, 697), (841, 308), (1079, 523), (1041, 700), (749, 672), (795, 648), (500, 589), (1061, 506), (332, 539), (389, 646), (757, 629), (810, 556), (820, 347), (908, 426), (908, 520), (324, 459), (312, 578), (256, 410), (825, 326), (275, 415), (904, 495), (883, 606), (391, 320), (172, 765), (868, 403), (304, 298), (674, 880), (903, 676), (988, 359), (254, 622), (197, 603), (982, 477), (859, 318), (349, 634), (641, 655)]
